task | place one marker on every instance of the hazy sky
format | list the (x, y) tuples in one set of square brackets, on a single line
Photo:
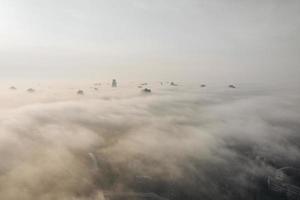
[(205, 40)]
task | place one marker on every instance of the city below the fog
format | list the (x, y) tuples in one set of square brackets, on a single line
[(150, 100), (157, 140)]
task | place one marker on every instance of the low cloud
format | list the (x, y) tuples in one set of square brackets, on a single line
[(180, 143)]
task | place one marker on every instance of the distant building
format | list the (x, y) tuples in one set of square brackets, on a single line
[(147, 90), (80, 92), (30, 90), (114, 83)]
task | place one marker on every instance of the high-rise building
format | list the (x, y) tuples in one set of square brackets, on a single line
[(114, 83)]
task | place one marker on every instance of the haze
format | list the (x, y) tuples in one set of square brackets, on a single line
[(149, 99), (194, 40)]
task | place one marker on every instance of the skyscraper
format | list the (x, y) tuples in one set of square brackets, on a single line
[(114, 83)]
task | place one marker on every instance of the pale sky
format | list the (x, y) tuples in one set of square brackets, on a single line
[(199, 40)]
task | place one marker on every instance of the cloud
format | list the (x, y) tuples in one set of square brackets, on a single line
[(180, 143)]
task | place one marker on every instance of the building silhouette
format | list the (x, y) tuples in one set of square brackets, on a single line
[(114, 83)]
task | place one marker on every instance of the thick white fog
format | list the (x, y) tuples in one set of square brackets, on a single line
[(66, 137), (185, 141)]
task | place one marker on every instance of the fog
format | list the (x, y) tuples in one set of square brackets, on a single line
[(221, 130), (183, 142)]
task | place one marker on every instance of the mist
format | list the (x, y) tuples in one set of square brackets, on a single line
[(183, 142), (191, 40), (204, 102)]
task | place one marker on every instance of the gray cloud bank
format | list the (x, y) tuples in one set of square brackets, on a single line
[(180, 142)]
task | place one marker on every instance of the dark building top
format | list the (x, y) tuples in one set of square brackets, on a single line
[(80, 92), (114, 83), (30, 90)]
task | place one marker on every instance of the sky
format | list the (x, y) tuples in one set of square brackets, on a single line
[(181, 40)]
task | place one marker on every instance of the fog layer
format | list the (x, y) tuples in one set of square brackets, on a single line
[(183, 142)]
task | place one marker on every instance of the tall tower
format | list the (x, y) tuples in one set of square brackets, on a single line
[(114, 83)]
